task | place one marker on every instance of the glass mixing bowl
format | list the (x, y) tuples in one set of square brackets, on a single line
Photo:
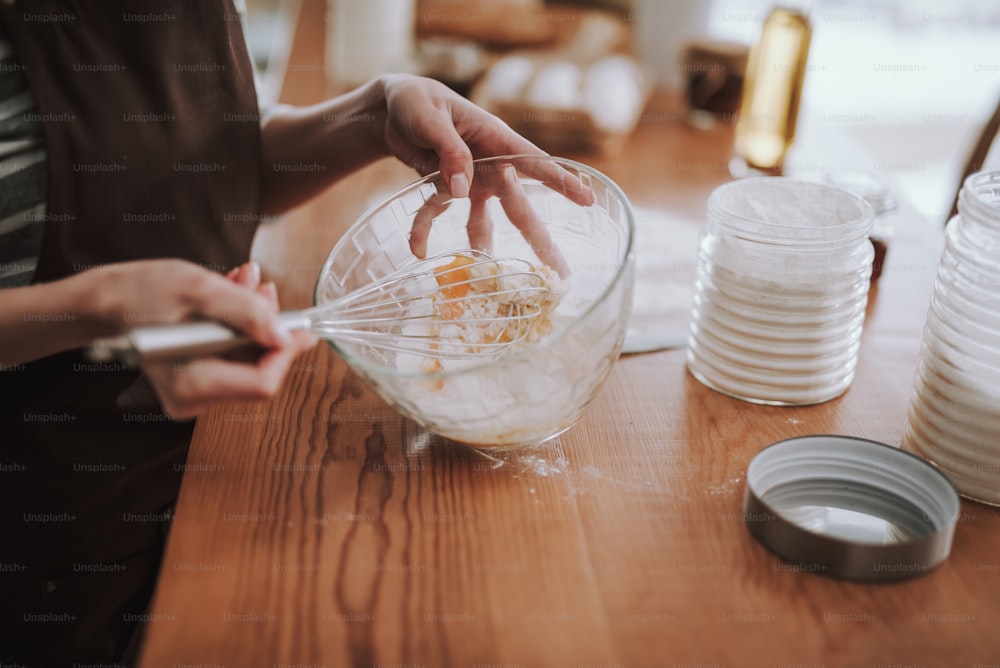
[(576, 221)]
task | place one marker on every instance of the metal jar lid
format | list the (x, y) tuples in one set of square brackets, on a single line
[(850, 508)]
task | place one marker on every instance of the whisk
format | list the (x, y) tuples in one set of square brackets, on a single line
[(457, 305)]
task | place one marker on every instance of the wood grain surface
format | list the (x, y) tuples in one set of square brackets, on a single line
[(323, 529)]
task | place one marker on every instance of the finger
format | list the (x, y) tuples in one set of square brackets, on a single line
[(487, 134), (518, 209), (253, 314), (552, 175), (247, 274), (454, 157), (498, 139), (558, 178), (251, 275), (211, 379), (270, 291), (303, 340), (480, 227), (421, 228), (490, 136)]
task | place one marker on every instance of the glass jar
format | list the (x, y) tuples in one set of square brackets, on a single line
[(780, 295), (953, 418)]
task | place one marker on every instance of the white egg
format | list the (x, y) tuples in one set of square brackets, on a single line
[(612, 93), (506, 79), (557, 86)]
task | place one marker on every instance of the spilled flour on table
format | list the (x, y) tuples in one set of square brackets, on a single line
[(549, 462), (726, 487), (545, 461), (540, 466)]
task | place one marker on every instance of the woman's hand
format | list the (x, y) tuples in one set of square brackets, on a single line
[(187, 388), (420, 121), (424, 124), (432, 128)]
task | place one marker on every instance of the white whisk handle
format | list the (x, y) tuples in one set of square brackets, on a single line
[(172, 342)]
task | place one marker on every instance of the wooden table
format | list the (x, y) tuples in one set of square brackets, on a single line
[(323, 529)]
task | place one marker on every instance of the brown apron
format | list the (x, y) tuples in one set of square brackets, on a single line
[(150, 122)]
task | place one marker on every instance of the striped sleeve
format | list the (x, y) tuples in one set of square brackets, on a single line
[(22, 175)]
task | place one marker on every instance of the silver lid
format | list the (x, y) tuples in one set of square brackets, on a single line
[(850, 508)]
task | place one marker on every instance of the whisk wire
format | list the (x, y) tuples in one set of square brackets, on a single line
[(440, 307)]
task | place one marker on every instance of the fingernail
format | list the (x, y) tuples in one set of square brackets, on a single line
[(253, 270), (418, 247), (510, 174), (459, 185)]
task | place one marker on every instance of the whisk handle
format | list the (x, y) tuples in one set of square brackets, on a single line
[(173, 342)]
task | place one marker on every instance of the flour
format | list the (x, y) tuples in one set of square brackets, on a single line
[(780, 292)]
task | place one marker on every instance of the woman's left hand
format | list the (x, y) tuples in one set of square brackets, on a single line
[(431, 128), (424, 124)]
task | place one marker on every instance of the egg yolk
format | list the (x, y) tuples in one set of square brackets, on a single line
[(453, 279)]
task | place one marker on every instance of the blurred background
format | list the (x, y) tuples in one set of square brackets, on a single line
[(914, 83)]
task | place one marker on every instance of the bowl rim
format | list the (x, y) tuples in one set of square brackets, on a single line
[(376, 370)]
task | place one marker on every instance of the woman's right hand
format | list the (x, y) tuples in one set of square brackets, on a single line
[(188, 388), (47, 318)]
